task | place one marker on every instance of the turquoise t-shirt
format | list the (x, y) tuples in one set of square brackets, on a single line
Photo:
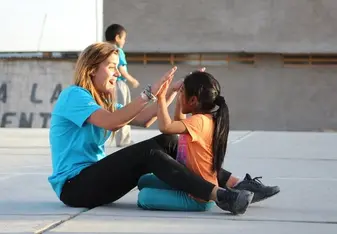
[(75, 143), (122, 62)]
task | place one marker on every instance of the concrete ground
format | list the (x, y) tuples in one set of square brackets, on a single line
[(302, 164)]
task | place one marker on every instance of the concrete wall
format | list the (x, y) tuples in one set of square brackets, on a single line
[(264, 97), (285, 26), (28, 90)]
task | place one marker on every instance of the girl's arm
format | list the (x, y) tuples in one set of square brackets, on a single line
[(149, 115), (166, 125)]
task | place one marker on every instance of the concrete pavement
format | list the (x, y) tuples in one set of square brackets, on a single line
[(302, 164)]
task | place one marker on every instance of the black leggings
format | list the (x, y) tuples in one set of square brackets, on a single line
[(114, 176)]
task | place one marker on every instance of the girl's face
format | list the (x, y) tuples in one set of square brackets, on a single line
[(105, 77), (188, 105)]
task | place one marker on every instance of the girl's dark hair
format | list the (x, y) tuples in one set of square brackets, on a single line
[(207, 90), (112, 31)]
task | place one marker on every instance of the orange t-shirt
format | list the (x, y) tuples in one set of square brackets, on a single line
[(195, 149)]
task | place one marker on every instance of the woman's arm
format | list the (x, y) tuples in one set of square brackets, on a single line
[(116, 120)]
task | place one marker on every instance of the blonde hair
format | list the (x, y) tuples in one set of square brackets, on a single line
[(87, 64)]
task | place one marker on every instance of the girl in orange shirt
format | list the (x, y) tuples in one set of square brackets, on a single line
[(201, 146)]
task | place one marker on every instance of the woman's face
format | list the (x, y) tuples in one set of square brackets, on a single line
[(104, 79)]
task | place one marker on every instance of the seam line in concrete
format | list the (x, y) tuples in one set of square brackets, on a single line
[(58, 223), (220, 218), (33, 215), (241, 138)]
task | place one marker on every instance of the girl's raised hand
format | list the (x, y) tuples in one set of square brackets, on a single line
[(166, 79)]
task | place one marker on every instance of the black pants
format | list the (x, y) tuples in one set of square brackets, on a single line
[(114, 176)]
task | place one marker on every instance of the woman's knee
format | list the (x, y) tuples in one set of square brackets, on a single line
[(166, 139)]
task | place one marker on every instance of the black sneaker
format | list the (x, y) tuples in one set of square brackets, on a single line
[(254, 185), (235, 201)]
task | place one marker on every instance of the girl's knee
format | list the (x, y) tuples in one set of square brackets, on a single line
[(144, 180), (169, 137)]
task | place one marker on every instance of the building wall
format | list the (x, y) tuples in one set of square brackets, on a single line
[(28, 90), (286, 26), (266, 96)]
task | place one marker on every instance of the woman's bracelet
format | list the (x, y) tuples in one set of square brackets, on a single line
[(147, 95)]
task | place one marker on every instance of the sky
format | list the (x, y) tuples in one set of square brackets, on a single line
[(49, 25)]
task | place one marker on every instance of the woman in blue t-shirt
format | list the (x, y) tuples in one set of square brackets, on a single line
[(84, 117)]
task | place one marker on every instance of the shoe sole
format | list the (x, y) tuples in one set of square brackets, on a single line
[(265, 197), (238, 208)]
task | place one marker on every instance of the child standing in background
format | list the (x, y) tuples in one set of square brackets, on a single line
[(116, 34)]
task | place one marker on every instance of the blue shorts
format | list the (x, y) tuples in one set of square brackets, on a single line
[(154, 194)]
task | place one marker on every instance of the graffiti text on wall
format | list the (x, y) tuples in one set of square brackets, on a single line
[(27, 119)]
